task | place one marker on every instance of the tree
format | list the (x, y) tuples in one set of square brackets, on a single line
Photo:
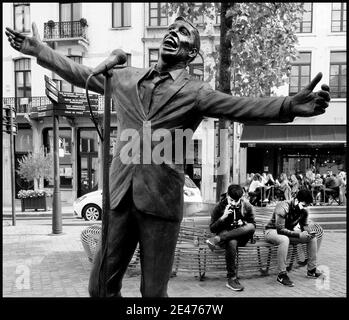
[(36, 167), (256, 48)]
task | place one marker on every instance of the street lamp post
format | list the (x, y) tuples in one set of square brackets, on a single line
[(12, 168), (105, 156), (56, 203)]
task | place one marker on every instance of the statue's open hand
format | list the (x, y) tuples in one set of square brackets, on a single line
[(307, 103), (25, 44)]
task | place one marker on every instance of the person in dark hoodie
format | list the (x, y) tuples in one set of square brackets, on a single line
[(232, 220), (289, 224)]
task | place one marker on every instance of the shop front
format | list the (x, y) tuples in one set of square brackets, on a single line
[(294, 148)]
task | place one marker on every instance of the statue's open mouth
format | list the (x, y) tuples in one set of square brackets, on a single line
[(170, 43)]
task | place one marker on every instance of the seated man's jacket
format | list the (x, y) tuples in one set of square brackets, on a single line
[(245, 212), (158, 187), (286, 217)]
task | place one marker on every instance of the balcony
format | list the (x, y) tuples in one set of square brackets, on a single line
[(25, 105), (65, 32)]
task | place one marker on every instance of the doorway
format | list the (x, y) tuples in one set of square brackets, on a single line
[(69, 13), (87, 172)]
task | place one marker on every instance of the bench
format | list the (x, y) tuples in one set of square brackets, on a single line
[(193, 255), (257, 257)]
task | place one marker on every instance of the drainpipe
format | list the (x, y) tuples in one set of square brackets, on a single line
[(143, 39)]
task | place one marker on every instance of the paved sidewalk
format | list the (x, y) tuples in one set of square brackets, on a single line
[(37, 264), (66, 209)]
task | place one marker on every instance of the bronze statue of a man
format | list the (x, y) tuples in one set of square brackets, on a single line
[(146, 199)]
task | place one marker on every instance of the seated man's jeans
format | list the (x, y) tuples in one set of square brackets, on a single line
[(283, 242), (230, 240)]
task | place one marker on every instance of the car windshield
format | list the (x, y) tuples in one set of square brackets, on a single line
[(189, 183)]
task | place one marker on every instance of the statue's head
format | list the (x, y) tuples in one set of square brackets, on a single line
[(181, 42)]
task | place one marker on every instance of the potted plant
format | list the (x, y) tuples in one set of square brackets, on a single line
[(35, 167), (51, 25), (34, 199), (83, 22)]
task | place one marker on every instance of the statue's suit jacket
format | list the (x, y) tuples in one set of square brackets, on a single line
[(158, 188)]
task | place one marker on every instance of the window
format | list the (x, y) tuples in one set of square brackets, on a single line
[(339, 17), (300, 73), (22, 78), (69, 12), (338, 74), (218, 16), (121, 14), (24, 140), (307, 20), (199, 20), (128, 61), (21, 17), (153, 56), (196, 68), (156, 15), (64, 151)]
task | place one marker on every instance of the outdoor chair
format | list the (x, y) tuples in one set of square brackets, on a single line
[(332, 195)]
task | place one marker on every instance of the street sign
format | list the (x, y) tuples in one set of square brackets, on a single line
[(51, 89), (69, 113), (65, 103), (77, 98), (50, 81), (42, 114), (42, 108), (81, 107), (51, 96)]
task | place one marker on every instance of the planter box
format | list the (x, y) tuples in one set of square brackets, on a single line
[(35, 203)]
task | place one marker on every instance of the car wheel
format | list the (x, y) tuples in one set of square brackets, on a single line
[(91, 212)]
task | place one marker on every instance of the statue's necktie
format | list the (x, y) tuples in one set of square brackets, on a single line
[(150, 89)]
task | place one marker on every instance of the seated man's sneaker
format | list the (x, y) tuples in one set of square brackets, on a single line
[(234, 284), (283, 279), (212, 242), (314, 273)]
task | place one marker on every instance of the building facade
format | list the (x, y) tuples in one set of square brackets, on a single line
[(75, 30), (317, 143)]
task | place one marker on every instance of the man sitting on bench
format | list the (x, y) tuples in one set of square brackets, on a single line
[(232, 220), (289, 223)]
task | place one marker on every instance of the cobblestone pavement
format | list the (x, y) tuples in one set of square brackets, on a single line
[(38, 264)]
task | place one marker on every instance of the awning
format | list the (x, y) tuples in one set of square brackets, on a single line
[(294, 134)]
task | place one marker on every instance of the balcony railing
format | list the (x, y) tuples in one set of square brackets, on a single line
[(65, 30), (25, 105)]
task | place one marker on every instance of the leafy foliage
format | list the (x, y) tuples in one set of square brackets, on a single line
[(262, 37), (36, 166), (23, 194)]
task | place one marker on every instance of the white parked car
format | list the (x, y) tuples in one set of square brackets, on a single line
[(89, 206)]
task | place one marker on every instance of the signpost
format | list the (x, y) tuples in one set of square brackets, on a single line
[(69, 104), (52, 94)]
